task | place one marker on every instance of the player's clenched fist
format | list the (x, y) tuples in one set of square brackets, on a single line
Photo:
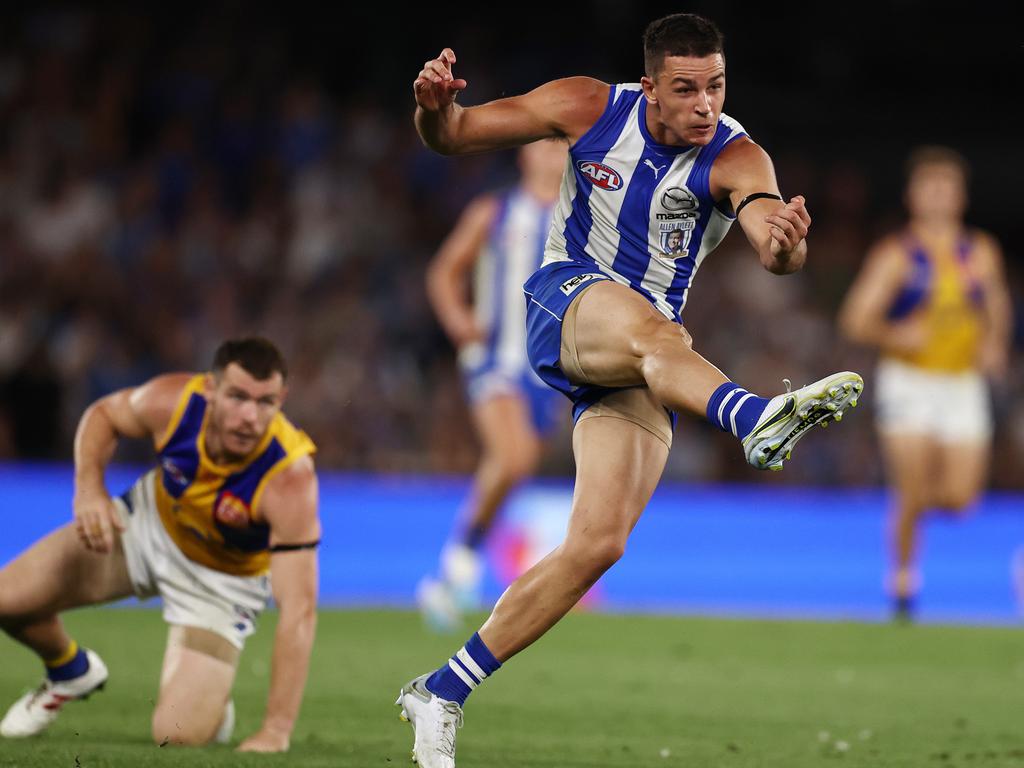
[(435, 87), (96, 520), (789, 225)]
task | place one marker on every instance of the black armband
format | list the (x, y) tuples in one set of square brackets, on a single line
[(295, 547), (756, 196)]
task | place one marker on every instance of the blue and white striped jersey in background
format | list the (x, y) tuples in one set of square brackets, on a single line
[(639, 211), (513, 252)]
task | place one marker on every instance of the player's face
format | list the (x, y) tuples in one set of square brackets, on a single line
[(689, 92), (937, 190), (241, 408)]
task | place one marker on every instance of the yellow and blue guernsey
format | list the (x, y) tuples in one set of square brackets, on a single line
[(207, 508), (941, 289)]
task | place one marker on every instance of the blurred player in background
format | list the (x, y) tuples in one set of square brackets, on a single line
[(657, 175), (934, 301), (233, 498), (501, 237)]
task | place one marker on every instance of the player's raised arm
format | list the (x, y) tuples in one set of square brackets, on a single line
[(562, 108), (776, 229), (136, 412), (289, 505)]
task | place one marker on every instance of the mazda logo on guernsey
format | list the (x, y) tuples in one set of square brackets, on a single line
[(600, 175), (678, 199)]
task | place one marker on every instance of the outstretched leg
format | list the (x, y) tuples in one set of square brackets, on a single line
[(510, 451), (56, 574), (618, 464)]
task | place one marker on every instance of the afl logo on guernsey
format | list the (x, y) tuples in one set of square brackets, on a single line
[(231, 510), (600, 175)]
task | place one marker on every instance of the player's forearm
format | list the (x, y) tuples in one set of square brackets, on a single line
[(439, 129), (293, 644), (95, 441)]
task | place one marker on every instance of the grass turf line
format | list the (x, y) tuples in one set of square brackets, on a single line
[(598, 691)]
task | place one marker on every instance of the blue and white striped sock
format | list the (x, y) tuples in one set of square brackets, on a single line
[(470, 666), (735, 410)]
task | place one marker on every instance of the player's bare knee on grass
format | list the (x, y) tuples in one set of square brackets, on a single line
[(174, 727), (199, 670)]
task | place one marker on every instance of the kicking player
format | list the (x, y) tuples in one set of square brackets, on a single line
[(603, 320), (502, 236), (232, 500), (934, 301)]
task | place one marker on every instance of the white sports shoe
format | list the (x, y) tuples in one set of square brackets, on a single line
[(437, 605), (434, 722), (788, 417), (227, 724), (34, 712)]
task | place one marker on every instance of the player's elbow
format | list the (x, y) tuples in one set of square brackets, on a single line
[(300, 613)]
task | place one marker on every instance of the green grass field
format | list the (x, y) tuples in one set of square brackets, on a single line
[(621, 691)]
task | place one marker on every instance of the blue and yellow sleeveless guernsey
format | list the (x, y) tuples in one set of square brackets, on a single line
[(206, 507), (941, 289), (638, 211)]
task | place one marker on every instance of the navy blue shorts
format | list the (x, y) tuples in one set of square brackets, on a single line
[(549, 292)]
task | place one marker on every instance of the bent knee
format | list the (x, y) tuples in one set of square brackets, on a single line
[(512, 467), (596, 555), (178, 729), (655, 334), (957, 501)]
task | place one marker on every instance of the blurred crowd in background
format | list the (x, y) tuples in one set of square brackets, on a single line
[(161, 191)]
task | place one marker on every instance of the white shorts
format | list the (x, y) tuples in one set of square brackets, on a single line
[(950, 407), (193, 595)]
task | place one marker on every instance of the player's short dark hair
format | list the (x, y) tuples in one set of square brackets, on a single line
[(680, 34), (933, 154), (256, 355)]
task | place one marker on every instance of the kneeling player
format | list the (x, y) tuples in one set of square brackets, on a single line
[(234, 498)]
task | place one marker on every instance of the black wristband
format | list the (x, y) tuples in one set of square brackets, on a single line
[(756, 196), (295, 547)]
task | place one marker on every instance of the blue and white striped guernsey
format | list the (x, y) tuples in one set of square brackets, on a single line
[(639, 211), (513, 251)]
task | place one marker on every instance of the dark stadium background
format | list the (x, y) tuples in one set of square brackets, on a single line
[(170, 176)]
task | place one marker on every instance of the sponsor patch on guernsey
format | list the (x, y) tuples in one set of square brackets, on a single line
[(573, 283)]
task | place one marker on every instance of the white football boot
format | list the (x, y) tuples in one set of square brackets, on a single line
[(434, 723), (227, 724), (34, 712), (788, 417), (462, 569)]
